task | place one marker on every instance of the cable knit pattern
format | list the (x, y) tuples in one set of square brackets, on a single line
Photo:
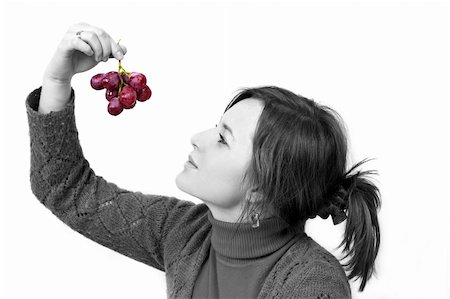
[(164, 232)]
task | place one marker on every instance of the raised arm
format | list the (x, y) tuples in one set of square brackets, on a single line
[(132, 223)]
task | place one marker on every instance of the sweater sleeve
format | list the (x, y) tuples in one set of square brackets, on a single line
[(131, 223)]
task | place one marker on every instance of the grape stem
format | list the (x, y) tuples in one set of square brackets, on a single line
[(122, 71)]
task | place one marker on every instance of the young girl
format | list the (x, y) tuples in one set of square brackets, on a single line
[(275, 160)]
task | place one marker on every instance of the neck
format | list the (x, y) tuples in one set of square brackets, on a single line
[(226, 215), (232, 214)]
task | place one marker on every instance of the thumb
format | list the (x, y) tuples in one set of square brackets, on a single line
[(118, 51)]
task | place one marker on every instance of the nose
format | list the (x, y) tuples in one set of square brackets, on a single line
[(200, 139), (195, 140)]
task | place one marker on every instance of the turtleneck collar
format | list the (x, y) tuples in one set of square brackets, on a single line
[(248, 242)]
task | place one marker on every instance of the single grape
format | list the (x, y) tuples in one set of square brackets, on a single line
[(144, 94), (127, 97), (111, 80), (111, 94), (114, 106), (97, 81), (137, 80)]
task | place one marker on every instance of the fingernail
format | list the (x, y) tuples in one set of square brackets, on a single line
[(119, 55)]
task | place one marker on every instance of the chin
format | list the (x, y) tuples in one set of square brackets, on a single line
[(179, 182), (182, 183)]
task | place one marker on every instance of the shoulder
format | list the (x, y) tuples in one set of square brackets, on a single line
[(310, 271), (188, 229)]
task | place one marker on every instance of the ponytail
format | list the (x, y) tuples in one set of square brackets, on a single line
[(362, 231)]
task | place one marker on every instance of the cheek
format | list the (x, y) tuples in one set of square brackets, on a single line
[(227, 169), (224, 175)]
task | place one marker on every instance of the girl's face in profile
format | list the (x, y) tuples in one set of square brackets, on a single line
[(222, 155)]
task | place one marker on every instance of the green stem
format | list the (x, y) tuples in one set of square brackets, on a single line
[(120, 84), (121, 71)]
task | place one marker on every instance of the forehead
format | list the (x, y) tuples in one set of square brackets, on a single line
[(243, 117)]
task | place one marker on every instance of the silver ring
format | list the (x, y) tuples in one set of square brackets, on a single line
[(78, 34)]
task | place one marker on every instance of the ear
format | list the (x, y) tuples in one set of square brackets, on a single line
[(259, 205)]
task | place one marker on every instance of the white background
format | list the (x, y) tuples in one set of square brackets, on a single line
[(384, 66)]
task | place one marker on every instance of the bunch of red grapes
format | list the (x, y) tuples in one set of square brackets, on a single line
[(123, 89)]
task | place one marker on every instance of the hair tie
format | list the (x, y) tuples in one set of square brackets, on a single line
[(338, 216), (337, 205), (337, 212)]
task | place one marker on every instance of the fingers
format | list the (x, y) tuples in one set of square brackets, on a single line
[(105, 41), (118, 51), (101, 44), (93, 41), (124, 49), (82, 46)]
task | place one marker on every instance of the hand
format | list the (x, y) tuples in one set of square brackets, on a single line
[(82, 47)]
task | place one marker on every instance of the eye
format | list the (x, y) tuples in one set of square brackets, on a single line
[(221, 140)]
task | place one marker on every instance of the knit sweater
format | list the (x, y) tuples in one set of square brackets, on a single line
[(164, 232), (242, 256)]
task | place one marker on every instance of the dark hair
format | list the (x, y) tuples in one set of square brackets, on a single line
[(299, 166)]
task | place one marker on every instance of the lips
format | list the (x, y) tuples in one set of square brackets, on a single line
[(192, 161)]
